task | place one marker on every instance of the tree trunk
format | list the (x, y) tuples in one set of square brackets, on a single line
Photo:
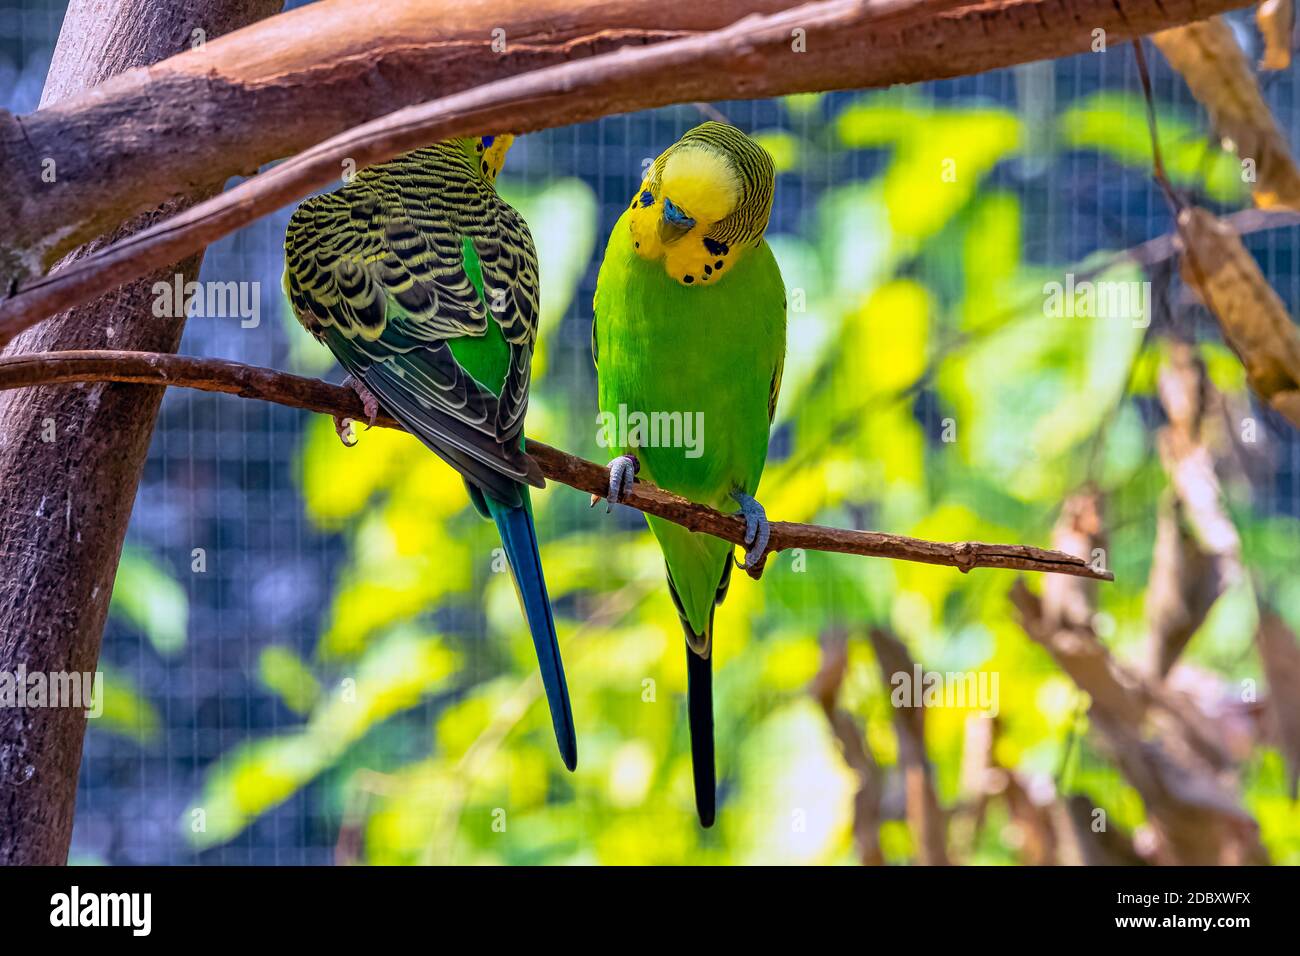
[(71, 457)]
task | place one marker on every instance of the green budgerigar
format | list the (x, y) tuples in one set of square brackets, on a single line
[(423, 283), (690, 322)]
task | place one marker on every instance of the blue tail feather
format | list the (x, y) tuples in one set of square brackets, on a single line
[(519, 538)]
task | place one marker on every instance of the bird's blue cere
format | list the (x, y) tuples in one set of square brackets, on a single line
[(647, 198), (675, 216), (488, 141)]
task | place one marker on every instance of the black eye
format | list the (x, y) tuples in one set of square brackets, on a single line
[(647, 198)]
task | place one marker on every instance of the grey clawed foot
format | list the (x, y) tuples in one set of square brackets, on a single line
[(757, 529), (343, 426), (622, 471)]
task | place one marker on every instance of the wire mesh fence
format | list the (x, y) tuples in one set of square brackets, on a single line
[(221, 507)]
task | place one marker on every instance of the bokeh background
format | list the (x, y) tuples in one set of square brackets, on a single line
[(309, 645)]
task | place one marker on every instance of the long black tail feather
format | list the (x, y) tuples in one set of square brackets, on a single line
[(699, 702), (699, 695)]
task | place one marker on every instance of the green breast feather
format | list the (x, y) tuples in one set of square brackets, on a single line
[(707, 357), (712, 353)]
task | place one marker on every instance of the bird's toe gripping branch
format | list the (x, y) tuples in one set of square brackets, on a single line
[(343, 426), (622, 471), (758, 530)]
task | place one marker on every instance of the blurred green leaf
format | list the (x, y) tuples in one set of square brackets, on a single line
[(1115, 124), (785, 148), (939, 158), (151, 601), (126, 712), (803, 105), (394, 675), (284, 673)]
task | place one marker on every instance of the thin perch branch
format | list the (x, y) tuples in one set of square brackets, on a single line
[(248, 381)]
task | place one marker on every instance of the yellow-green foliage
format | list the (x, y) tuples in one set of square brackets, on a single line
[(900, 284)]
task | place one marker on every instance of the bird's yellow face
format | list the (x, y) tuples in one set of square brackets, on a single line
[(490, 153), (671, 219)]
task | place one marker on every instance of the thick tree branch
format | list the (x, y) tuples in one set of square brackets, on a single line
[(238, 102), (70, 461), (246, 381), (231, 106)]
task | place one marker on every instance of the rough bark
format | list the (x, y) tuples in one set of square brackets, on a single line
[(71, 457), (283, 85)]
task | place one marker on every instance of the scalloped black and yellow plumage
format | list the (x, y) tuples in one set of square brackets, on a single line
[(409, 274), (423, 283)]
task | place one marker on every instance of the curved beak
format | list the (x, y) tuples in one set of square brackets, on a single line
[(674, 223), (672, 231)]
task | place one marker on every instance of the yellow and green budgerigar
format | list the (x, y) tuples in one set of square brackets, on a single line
[(423, 283), (690, 320)]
